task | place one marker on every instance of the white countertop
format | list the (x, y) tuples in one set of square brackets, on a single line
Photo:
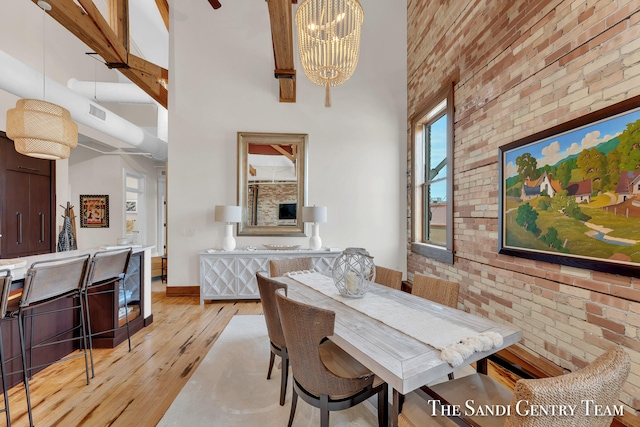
[(19, 266)]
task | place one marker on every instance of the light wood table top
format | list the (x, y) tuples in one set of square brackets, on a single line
[(402, 361)]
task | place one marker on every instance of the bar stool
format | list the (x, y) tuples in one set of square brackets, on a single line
[(47, 282), (107, 271), (5, 284)]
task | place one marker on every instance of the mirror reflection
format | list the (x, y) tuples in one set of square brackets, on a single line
[(271, 183)]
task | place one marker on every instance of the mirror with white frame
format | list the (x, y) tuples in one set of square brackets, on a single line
[(272, 183)]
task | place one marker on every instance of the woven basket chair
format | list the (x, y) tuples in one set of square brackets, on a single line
[(437, 290), (601, 382), (324, 375), (388, 277), (279, 267), (267, 289)]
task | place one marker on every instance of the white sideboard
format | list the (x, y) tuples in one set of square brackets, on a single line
[(232, 274)]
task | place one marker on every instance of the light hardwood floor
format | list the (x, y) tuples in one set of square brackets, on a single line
[(130, 389)]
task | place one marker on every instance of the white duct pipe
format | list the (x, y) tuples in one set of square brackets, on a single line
[(110, 92), (121, 93), (25, 82)]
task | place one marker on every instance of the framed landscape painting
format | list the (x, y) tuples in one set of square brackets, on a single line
[(571, 194)]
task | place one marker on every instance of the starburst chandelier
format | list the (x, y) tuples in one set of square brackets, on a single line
[(329, 40)]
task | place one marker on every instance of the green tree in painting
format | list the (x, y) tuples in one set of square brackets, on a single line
[(527, 167), (551, 239), (594, 166), (629, 147), (613, 168), (527, 217), (563, 174), (567, 205)]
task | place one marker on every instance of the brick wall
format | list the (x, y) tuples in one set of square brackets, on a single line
[(521, 67), (269, 198)]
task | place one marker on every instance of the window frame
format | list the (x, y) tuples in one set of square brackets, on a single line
[(440, 253)]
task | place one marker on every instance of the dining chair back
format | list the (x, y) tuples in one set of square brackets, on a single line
[(267, 289), (435, 289), (107, 271), (324, 376), (598, 383), (279, 267), (388, 277)]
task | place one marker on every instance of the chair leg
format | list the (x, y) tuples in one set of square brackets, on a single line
[(126, 312), (4, 383), (83, 334), (294, 401), (283, 378), (25, 376), (271, 360), (88, 332), (324, 410)]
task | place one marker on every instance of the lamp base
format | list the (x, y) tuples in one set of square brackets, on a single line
[(229, 242), (315, 242)]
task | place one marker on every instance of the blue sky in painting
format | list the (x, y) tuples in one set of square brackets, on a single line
[(553, 149)]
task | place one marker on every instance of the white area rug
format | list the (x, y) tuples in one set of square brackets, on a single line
[(230, 387)]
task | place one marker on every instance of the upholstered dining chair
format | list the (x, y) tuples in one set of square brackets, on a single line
[(435, 289), (279, 267), (599, 382), (267, 289), (107, 271), (388, 277), (324, 376)]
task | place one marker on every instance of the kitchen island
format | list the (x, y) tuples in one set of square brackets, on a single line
[(107, 310)]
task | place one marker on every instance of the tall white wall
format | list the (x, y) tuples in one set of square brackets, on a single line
[(221, 82)]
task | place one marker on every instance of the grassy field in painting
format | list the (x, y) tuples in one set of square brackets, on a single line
[(573, 233)]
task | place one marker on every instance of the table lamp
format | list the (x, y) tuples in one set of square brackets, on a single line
[(315, 215), (230, 215)]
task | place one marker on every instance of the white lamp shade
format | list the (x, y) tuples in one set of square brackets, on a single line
[(314, 214), (228, 214)]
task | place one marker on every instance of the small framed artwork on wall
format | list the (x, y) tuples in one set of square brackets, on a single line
[(94, 211), (131, 206)]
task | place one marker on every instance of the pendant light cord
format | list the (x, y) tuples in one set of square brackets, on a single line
[(44, 61)]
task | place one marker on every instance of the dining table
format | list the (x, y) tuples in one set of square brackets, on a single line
[(406, 340)]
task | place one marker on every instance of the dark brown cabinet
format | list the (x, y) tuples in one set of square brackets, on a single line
[(27, 203)]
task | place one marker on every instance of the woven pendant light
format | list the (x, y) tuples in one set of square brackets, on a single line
[(39, 128), (329, 40)]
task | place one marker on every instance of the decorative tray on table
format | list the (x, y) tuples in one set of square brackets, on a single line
[(282, 247)]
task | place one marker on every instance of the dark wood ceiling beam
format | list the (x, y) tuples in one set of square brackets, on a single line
[(87, 23), (280, 16)]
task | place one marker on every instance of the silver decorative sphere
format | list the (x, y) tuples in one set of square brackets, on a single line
[(353, 271)]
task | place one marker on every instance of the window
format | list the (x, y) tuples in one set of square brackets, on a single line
[(432, 204), (135, 224)]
